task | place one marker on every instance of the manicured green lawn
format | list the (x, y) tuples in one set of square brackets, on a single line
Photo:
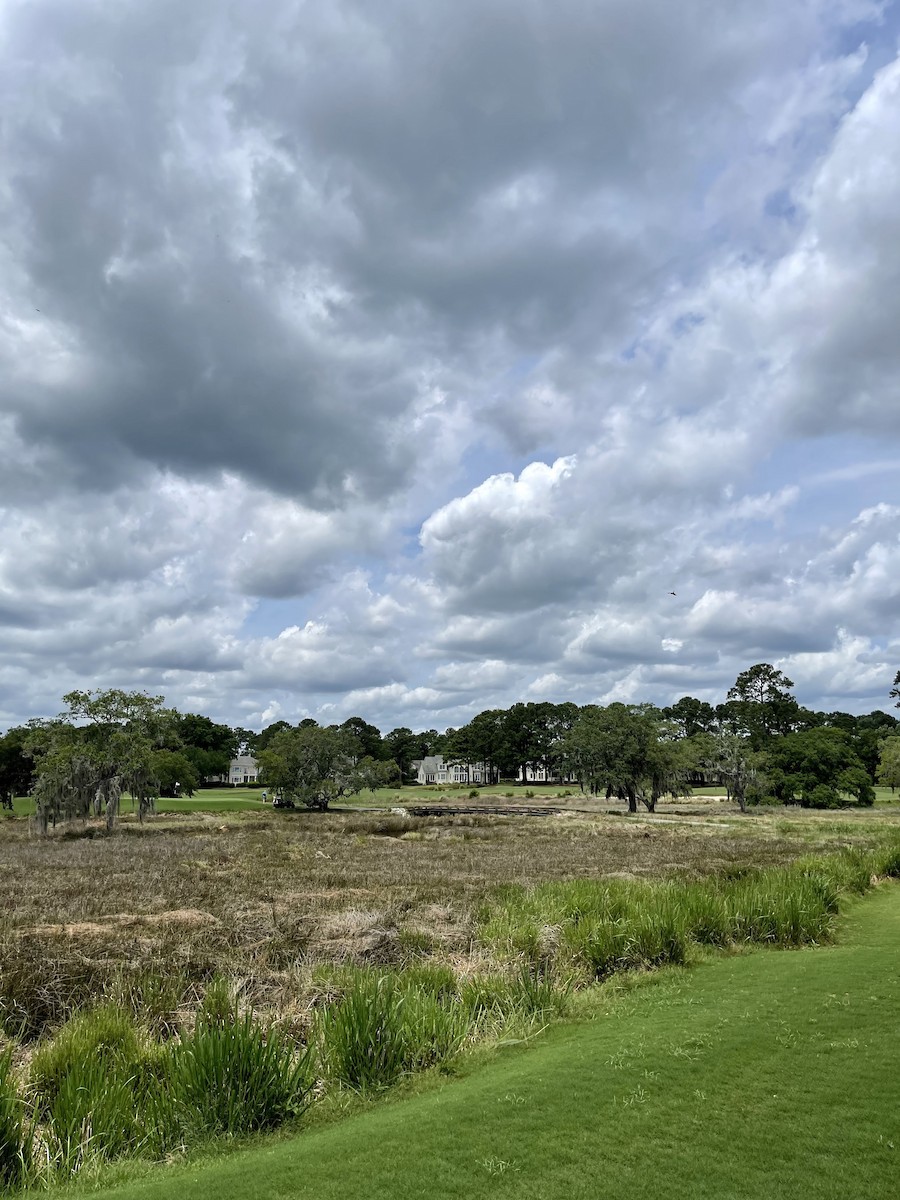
[(240, 799), (213, 800), (210, 800), (769, 1075)]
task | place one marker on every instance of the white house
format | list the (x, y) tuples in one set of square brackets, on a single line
[(534, 774), (542, 774), (433, 769), (242, 770)]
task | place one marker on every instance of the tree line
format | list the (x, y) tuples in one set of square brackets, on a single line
[(760, 744)]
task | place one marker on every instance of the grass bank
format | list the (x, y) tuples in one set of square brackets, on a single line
[(757, 1077)]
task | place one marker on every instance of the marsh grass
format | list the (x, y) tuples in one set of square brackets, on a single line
[(104, 1036), (233, 1076), (150, 916), (92, 1117), (367, 949), (604, 926), (386, 1025)]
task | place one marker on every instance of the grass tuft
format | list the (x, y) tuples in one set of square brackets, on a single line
[(15, 1132), (235, 1076)]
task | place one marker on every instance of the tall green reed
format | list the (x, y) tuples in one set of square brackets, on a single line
[(16, 1131)]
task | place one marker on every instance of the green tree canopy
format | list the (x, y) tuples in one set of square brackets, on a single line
[(102, 745), (691, 716), (208, 746), (368, 738), (310, 765), (888, 772), (817, 768), (174, 773), (763, 703), (404, 747), (16, 765), (628, 751)]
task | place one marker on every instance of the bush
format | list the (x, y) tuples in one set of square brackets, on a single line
[(820, 796)]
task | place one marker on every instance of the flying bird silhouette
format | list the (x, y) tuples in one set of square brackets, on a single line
[(672, 593)]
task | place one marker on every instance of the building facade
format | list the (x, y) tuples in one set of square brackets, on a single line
[(243, 770), (433, 769)]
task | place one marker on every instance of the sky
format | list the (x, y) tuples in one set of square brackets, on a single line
[(399, 360)]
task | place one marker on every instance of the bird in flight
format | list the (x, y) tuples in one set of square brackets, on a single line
[(672, 593)]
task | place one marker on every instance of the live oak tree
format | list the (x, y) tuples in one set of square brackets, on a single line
[(311, 765), (817, 768), (627, 751), (102, 746), (369, 774), (729, 759)]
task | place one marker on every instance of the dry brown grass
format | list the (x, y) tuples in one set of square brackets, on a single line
[(263, 897)]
